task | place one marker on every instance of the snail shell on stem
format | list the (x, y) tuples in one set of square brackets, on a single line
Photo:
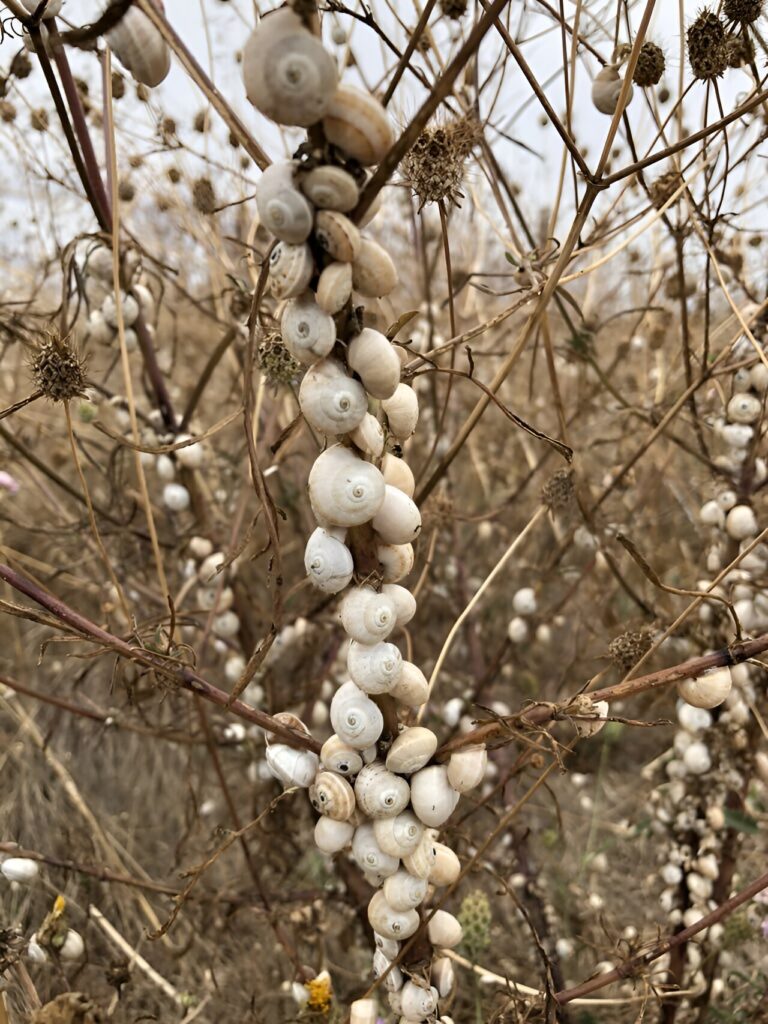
[(374, 359), (333, 796), (367, 616), (444, 930), (405, 602), (399, 835), (338, 756), (374, 274), (392, 924), (396, 560), (394, 979), (330, 400), (337, 235), (137, 45), (606, 89), (358, 124), (332, 836), (328, 561), (397, 473), (398, 520), (412, 750), (290, 766), (290, 269), (330, 188), (402, 412), (344, 490), (368, 436), (375, 668), (355, 718), (466, 768), (282, 208), (334, 287), (369, 855), (404, 891), (412, 688), (381, 793), (432, 796)]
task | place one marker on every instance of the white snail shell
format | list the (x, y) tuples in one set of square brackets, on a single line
[(404, 891), (330, 188), (398, 520), (396, 560), (332, 836), (606, 89), (708, 690), (369, 855), (363, 1011), (337, 235), (394, 980), (412, 688), (328, 561), (402, 412), (375, 668), (290, 766), (591, 726), (381, 793), (19, 869), (400, 835), (288, 74), (375, 360), (398, 474), (282, 208), (447, 866), (432, 795), (740, 522), (344, 490), (367, 616), (412, 750), (418, 1003), (744, 408), (443, 976), (405, 602), (73, 946), (290, 269), (421, 861), (368, 436), (355, 718), (358, 124), (444, 930), (334, 287), (466, 768), (139, 47), (389, 947), (338, 756), (374, 274), (307, 331), (711, 514), (332, 795), (330, 400), (392, 924)]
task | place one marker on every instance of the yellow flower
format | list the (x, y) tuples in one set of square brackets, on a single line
[(319, 989)]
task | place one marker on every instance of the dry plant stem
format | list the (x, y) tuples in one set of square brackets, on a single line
[(413, 42), (134, 957)]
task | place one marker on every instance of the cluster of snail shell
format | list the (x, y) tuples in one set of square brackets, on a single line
[(23, 871), (381, 797), (101, 325)]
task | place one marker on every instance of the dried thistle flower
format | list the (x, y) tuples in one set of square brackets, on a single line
[(650, 65), (275, 360), (126, 191), (434, 167), (21, 65), (118, 86), (203, 196), (707, 50), (39, 119), (628, 648), (663, 187), (742, 11), (174, 175), (558, 492), (7, 111), (740, 50), (454, 9), (200, 122), (57, 370)]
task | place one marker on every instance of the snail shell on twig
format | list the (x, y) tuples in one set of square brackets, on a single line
[(444, 930), (399, 835), (290, 766), (381, 793), (337, 235), (606, 89), (398, 474), (334, 287), (466, 768), (367, 616), (412, 750), (398, 520), (403, 891), (412, 688), (358, 124), (369, 855), (432, 796), (396, 561), (139, 47), (375, 668), (392, 924), (330, 400), (333, 796), (308, 332), (330, 188), (402, 412), (332, 836), (290, 269), (344, 490), (328, 561), (355, 718), (282, 208), (339, 757), (374, 359), (373, 272)]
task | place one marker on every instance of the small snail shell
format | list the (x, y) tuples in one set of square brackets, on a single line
[(392, 924), (375, 360), (19, 869), (282, 208), (412, 688), (447, 866), (369, 855), (744, 408), (358, 124), (139, 47), (412, 749), (73, 946), (394, 979), (355, 718), (740, 522), (421, 860), (332, 836), (328, 561), (398, 520), (374, 274), (338, 756), (399, 836), (444, 930), (432, 795), (380, 793), (404, 891), (405, 602), (402, 412), (389, 947), (368, 436), (367, 616), (290, 269), (372, 210), (396, 561), (398, 474), (290, 766), (466, 768), (344, 490), (334, 287), (330, 400), (51, 10), (288, 74), (337, 235), (418, 1003), (331, 795), (375, 668), (292, 721), (758, 377), (330, 188), (711, 514), (707, 690), (363, 1011), (443, 976), (606, 89)]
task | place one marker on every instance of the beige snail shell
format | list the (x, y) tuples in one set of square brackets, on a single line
[(396, 560), (140, 48), (444, 930), (392, 924), (402, 412), (381, 793), (328, 561), (375, 668), (355, 718), (330, 188), (332, 836), (374, 359), (368, 854), (334, 287), (358, 124), (332, 795), (432, 796), (421, 861), (367, 616), (744, 408), (330, 400), (707, 690), (374, 274), (443, 976), (397, 473), (606, 89), (593, 720), (393, 982), (389, 947), (418, 1002), (344, 490), (412, 688), (290, 766), (368, 436), (287, 718), (404, 891), (290, 269), (412, 750), (363, 1011), (288, 74), (447, 866), (398, 520), (283, 210), (338, 756), (400, 835), (337, 235), (372, 210), (466, 768), (405, 602)]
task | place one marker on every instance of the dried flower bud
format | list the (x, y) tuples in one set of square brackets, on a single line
[(558, 492), (434, 167), (277, 363), (203, 196), (742, 11), (626, 650), (707, 50), (58, 371), (650, 65)]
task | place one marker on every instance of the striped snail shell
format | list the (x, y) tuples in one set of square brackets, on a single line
[(333, 796)]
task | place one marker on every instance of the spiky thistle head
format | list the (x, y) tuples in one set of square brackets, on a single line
[(558, 492), (707, 49), (740, 50), (434, 167), (627, 649), (650, 65), (203, 196), (57, 370), (743, 12)]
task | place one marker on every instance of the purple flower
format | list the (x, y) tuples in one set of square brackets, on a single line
[(9, 483)]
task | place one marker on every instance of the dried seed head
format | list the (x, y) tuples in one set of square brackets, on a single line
[(558, 492), (740, 50), (742, 11), (118, 86), (626, 650), (275, 360), (7, 111), (203, 196), (39, 119), (707, 50), (142, 93), (167, 129), (663, 187), (650, 65), (126, 191), (453, 8), (434, 167), (21, 65), (200, 123), (57, 370)]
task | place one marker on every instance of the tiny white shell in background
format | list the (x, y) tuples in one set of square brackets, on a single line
[(19, 869)]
